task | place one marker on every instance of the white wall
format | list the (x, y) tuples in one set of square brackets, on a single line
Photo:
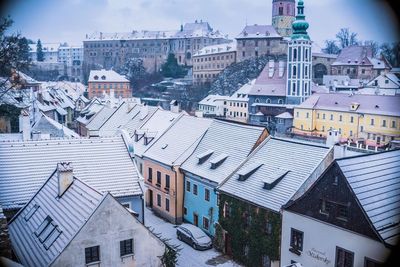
[(110, 224), (321, 239)]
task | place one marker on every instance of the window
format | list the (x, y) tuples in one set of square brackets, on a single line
[(159, 200), (126, 247), (195, 189), (92, 254), (227, 210), (325, 206), (296, 239), (340, 117), (317, 115), (167, 204), (342, 212), (150, 179), (393, 124), (184, 210), (126, 205), (372, 122), (372, 263), (158, 178), (31, 212), (43, 225), (297, 114), (351, 133), (206, 223), (167, 181), (344, 258), (384, 123), (207, 194), (323, 116), (188, 186), (268, 228), (361, 128), (307, 115), (351, 119), (331, 117)]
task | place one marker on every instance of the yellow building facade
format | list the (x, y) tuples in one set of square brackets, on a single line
[(366, 122)]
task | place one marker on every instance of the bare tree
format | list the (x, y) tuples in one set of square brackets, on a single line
[(14, 55), (391, 51), (374, 46), (346, 38)]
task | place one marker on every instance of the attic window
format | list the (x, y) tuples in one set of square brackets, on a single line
[(138, 135), (248, 171), (204, 156), (52, 237), (164, 146), (103, 77), (218, 160), (96, 77), (31, 212), (274, 178), (376, 106), (336, 103)]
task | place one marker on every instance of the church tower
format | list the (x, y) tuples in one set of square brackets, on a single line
[(299, 60), (283, 12)]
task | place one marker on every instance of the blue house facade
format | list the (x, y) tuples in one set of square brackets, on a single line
[(201, 202)]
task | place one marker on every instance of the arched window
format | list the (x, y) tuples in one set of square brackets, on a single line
[(294, 54), (294, 71), (257, 100), (293, 89), (280, 101), (306, 54), (306, 88), (306, 71), (268, 101)]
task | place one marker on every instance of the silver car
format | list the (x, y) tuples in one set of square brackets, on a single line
[(193, 236)]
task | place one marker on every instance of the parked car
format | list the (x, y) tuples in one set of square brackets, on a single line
[(193, 236)]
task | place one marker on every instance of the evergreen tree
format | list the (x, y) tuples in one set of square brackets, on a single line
[(39, 51), (172, 69), (331, 47)]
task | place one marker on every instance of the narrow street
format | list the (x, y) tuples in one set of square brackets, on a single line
[(188, 256)]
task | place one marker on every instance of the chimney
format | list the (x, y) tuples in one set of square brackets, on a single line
[(175, 106), (65, 176), (25, 125)]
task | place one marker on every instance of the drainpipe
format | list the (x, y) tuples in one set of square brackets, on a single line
[(176, 197)]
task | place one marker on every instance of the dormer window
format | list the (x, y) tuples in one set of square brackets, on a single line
[(103, 77), (96, 77), (274, 178), (204, 156), (218, 160), (248, 171)]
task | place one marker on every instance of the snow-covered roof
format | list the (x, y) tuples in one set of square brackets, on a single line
[(198, 29), (230, 144), (375, 181), (211, 99), (242, 93), (271, 81), (100, 118), (134, 35), (216, 49), (77, 204), (46, 125), (272, 182), (177, 140), (106, 76), (155, 126), (367, 104), (103, 163), (284, 115), (258, 31)]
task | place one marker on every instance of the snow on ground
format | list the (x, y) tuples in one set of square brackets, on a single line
[(188, 256)]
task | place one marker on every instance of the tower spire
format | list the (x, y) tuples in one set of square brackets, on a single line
[(300, 25)]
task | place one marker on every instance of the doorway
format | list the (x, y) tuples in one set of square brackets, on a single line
[(195, 219)]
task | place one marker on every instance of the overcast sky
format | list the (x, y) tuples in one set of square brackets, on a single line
[(69, 20)]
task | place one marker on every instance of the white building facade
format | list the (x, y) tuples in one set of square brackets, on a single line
[(299, 60)]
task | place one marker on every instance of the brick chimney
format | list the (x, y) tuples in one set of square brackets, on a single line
[(65, 176)]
